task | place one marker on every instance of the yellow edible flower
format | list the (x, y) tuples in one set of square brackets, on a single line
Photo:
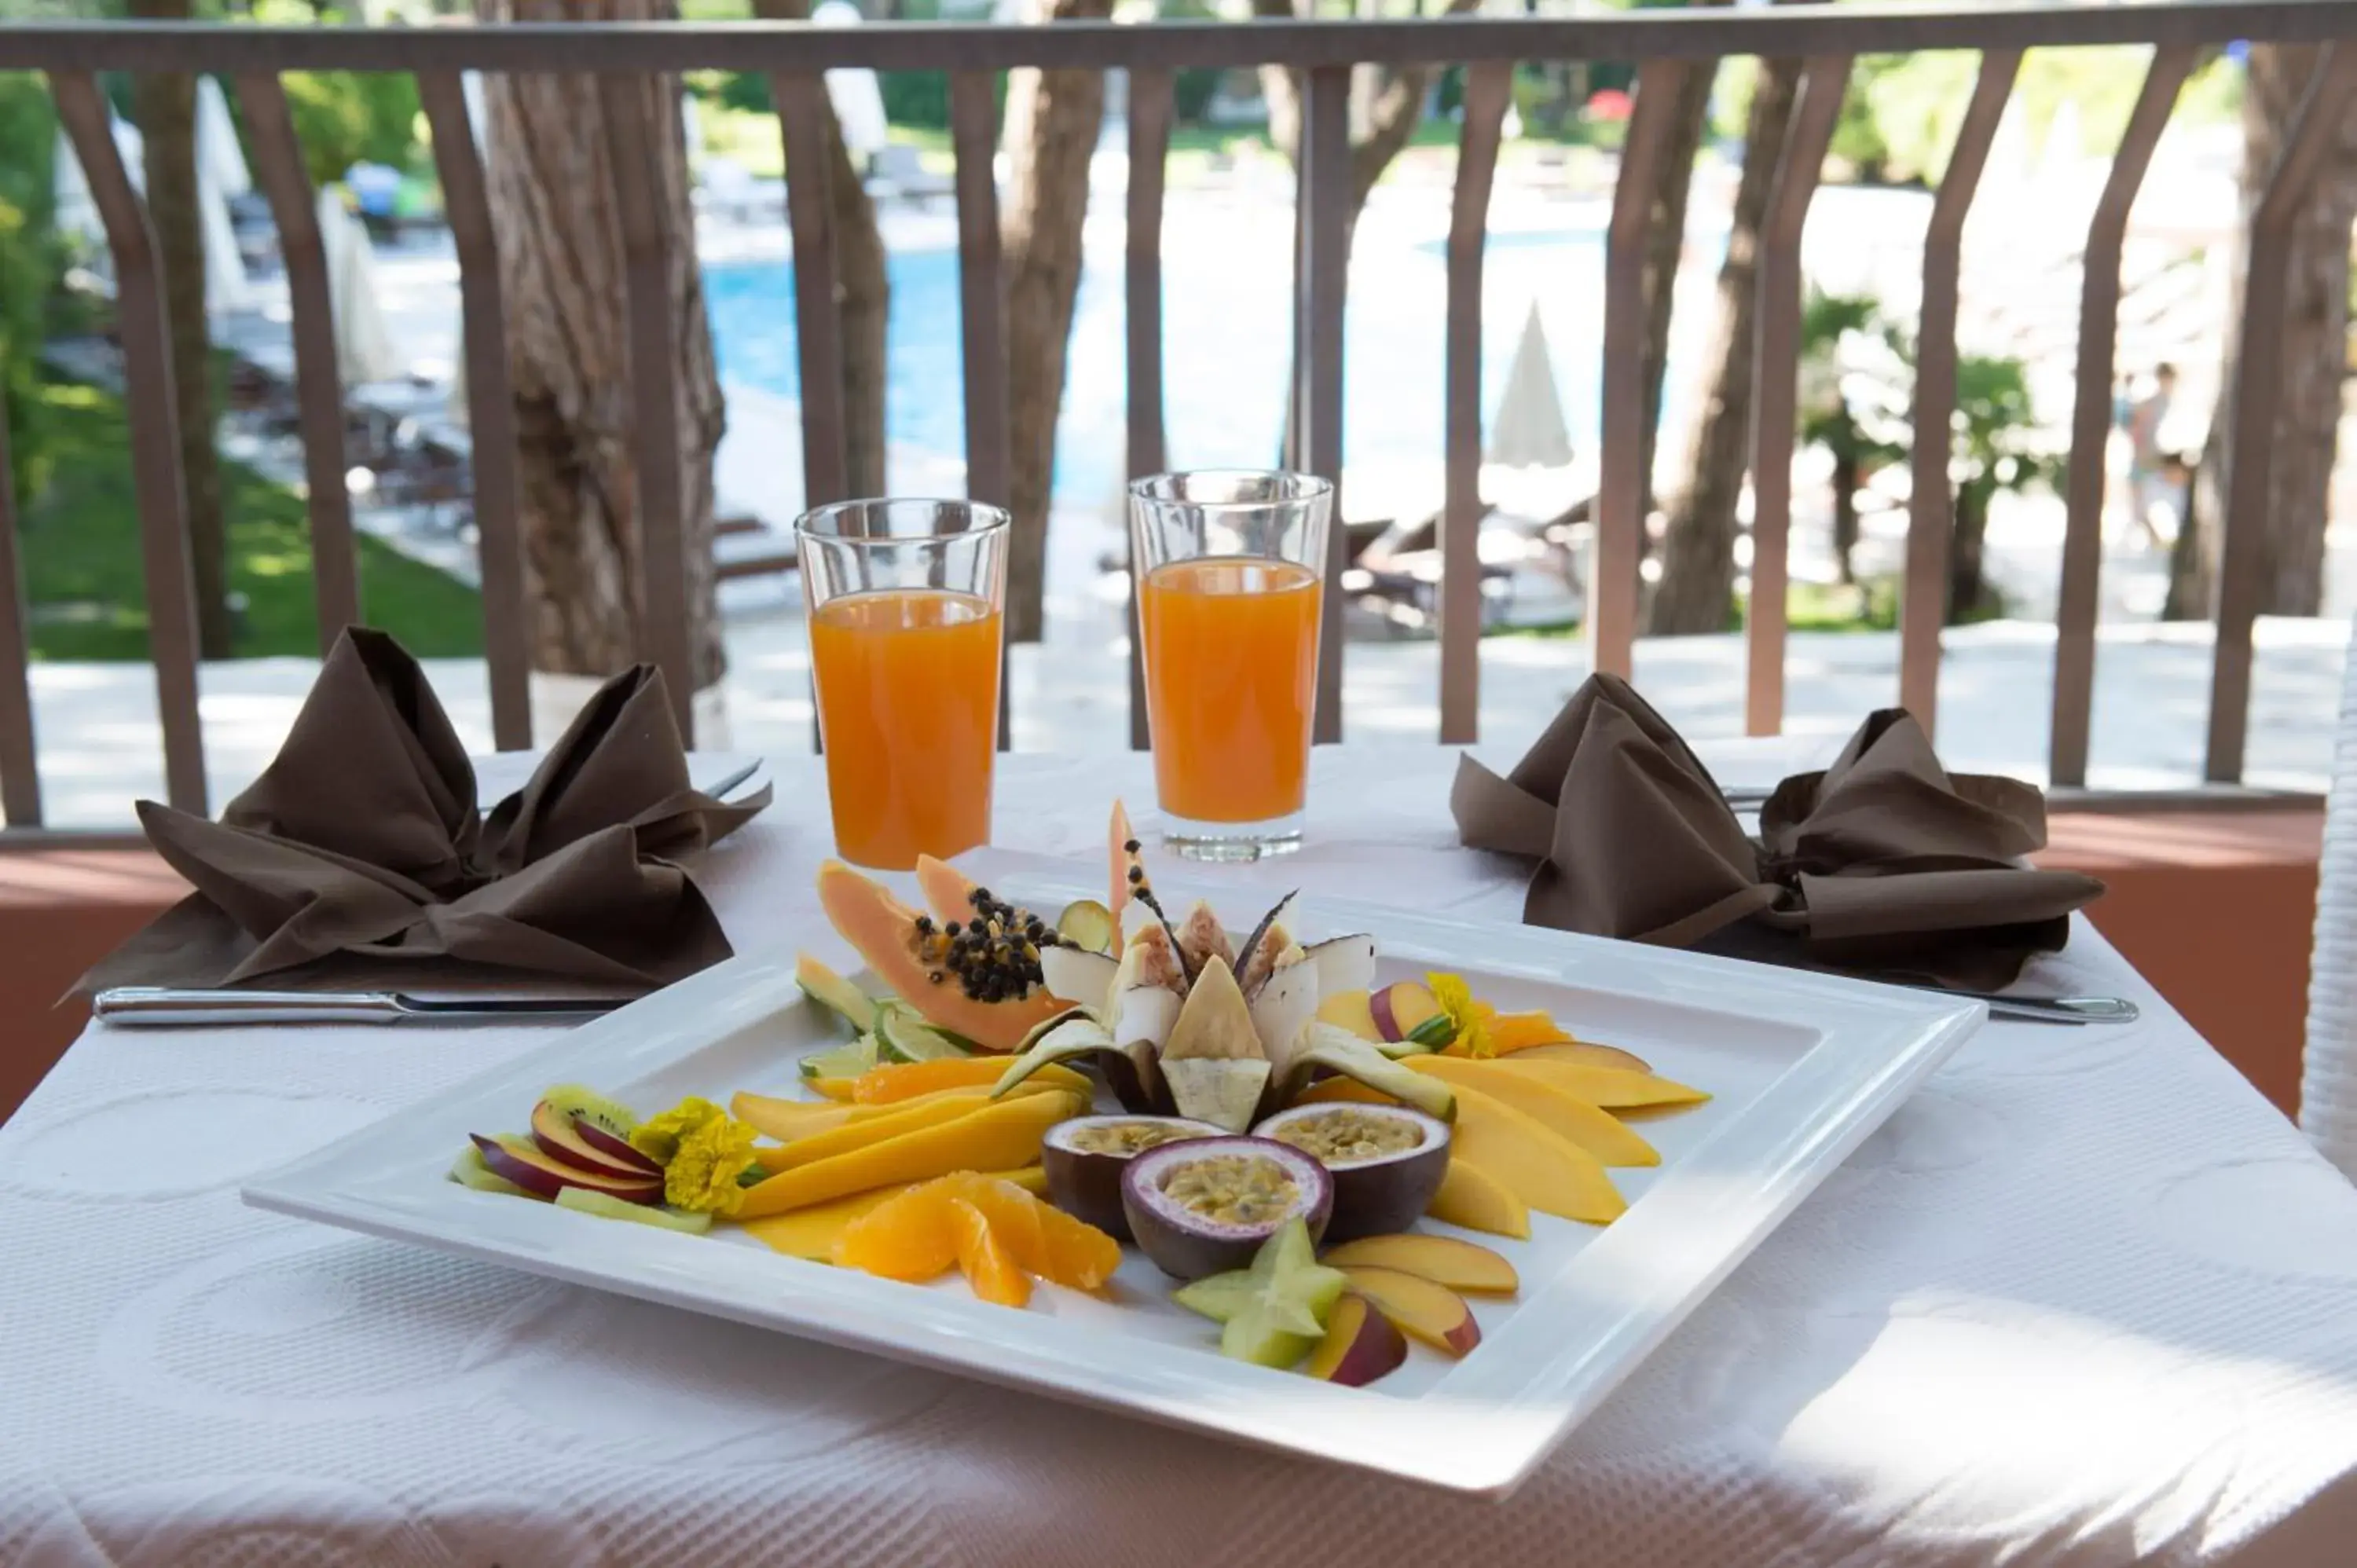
[(1469, 1017), (660, 1138), (701, 1175)]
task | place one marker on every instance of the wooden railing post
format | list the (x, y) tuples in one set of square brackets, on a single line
[(156, 475), (663, 618), (1931, 505), (2076, 608), (1322, 219), (490, 408), (982, 314), (319, 387), (1150, 110), (2257, 392), (801, 99), (1775, 391), (1488, 88), (1619, 546)]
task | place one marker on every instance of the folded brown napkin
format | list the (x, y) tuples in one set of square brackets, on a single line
[(1884, 864), (360, 850)]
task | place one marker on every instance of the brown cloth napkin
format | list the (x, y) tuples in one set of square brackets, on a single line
[(1883, 864), (360, 849)]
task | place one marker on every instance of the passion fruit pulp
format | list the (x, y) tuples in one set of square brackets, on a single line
[(1386, 1161), (1084, 1159), (1203, 1206)]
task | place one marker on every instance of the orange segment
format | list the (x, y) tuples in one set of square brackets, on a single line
[(1045, 1240), (988, 1265), (905, 1238)]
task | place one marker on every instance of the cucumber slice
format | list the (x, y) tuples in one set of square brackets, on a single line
[(848, 1060), (831, 994), (901, 1037), (606, 1206)]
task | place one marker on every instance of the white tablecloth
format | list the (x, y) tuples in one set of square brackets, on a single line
[(2085, 1300)]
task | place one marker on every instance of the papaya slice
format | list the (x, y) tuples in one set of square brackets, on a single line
[(906, 957)]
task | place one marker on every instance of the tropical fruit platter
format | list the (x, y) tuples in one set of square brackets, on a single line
[(1189, 1115)]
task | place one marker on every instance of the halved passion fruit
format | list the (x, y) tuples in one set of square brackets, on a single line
[(1082, 1160), (1203, 1206), (1386, 1161)]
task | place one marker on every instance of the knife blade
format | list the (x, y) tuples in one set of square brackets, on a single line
[(157, 1007)]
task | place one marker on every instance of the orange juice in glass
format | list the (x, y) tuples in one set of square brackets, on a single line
[(905, 624), (1229, 577)]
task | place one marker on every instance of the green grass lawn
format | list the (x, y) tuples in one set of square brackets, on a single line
[(80, 546)]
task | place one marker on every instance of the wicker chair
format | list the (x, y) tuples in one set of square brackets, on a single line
[(2328, 1082)]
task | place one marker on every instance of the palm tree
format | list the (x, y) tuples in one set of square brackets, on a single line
[(1994, 453), (1847, 409)]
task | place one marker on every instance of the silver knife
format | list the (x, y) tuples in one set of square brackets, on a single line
[(148, 1006)]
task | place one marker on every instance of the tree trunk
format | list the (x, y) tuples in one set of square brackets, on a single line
[(164, 107), (863, 292), (562, 267), (1845, 482), (1697, 583), (1052, 121), (2315, 337), (1665, 242), (1968, 589)]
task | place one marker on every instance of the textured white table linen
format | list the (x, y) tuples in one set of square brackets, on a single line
[(2086, 1299)]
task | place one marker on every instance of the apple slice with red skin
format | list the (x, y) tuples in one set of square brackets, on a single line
[(558, 1133), (617, 1150), (543, 1175), (1444, 1259), (1420, 1310), (1361, 1344)]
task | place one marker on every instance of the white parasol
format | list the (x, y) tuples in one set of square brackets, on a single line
[(365, 350), (1529, 430), (219, 156)]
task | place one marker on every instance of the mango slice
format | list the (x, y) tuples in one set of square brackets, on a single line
[(1000, 1133), (1614, 1089), (1561, 1112)]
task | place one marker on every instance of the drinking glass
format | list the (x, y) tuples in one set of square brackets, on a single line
[(1230, 573), (906, 604)]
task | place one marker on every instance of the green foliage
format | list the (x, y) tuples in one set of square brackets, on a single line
[(1995, 431), (29, 268), (81, 544), (345, 117)]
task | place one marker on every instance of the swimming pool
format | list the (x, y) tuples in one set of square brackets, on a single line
[(1226, 331)]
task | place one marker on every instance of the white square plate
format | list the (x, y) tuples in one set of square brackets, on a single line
[(1802, 1068)]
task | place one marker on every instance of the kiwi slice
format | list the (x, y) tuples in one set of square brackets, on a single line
[(1088, 926), (588, 1105), (606, 1206)]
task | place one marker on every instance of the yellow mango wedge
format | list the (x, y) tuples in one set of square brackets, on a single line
[(902, 1116), (1547, 1172), (1561, 1112), (787, 1120), (1472, 1197), (812, 1232), (1000, 1135), (1614, 1089)]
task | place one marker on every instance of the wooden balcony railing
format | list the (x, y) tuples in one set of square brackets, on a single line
[(1666, 43)]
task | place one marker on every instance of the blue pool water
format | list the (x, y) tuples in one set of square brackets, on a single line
[(1226, 333)]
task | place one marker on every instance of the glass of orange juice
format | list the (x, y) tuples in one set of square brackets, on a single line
[(1230, 572), (905, 601)]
